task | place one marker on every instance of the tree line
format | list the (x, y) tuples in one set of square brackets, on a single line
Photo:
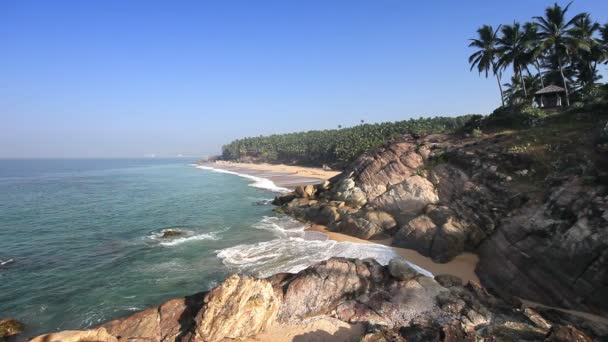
[(335, 147), (550, 49)]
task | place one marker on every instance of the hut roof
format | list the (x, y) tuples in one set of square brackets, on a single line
[(551, 89)]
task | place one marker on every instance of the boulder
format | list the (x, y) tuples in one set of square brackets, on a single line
[(359, 227), (400, 269), (417, 234), (238, 308), (10, 327), (567, 333), (171, 233), (380, 218), (92, 335), (407, 199), (448, 280), (319, 289), (309, 191), (300, 192)]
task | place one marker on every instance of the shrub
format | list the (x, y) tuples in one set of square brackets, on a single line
[(476, 133)]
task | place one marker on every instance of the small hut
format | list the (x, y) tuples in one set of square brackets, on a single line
[(550, 96)]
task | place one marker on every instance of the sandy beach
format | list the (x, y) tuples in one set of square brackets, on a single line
[(462, 266), (287, 176)]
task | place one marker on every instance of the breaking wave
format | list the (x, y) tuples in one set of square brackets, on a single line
[(186, 236), (294, 249), (258, 182)]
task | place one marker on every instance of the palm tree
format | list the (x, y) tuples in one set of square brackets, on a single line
[(486, 56), (585, 29), (604, 34), (533, 46), (556, 37), (512, 51)]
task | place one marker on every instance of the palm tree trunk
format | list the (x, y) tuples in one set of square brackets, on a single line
[(523, 83), (561, 71), (502, 98), (540, 76)]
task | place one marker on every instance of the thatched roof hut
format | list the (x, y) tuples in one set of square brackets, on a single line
[(550, 96)]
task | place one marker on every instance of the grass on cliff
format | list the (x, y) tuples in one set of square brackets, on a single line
[(570, 142)]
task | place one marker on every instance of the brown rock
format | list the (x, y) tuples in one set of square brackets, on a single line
[(401, 270), (238, 308), (10, 327), (92, 335), (408, 198), (448, 280), (566, 333)]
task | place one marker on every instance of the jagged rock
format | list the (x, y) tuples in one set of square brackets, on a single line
[(300, 192), (382, 219), (309, 191), (284, 199), (171, 233), (319, 289), (10, 327), (359, 227), (240, 307), (561, 333), (401, 270), (356, 291), (554, 252), (448, 280), (417, 234), (407, 199), (92, 335)]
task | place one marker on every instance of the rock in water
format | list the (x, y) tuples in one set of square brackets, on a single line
[(10, 327), (240, 307), (171, 233)]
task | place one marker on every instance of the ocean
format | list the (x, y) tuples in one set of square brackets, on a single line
[(81, 239)]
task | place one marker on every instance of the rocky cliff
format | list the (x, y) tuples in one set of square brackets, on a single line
[(533, 204), (391, 303)]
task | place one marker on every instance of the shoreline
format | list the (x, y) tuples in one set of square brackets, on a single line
[(462, 266), (287, 176)]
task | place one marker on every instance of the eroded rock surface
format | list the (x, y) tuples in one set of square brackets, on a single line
[(547, 239), (394, 302)]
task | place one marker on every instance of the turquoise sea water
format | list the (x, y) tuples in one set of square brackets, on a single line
[(80, 240)]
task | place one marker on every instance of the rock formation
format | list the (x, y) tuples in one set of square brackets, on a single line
[(441, 195), (393, 302)]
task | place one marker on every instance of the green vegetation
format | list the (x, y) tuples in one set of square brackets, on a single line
[(563, 51), (334, 147)]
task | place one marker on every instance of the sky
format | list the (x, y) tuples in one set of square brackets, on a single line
[(117, 78)]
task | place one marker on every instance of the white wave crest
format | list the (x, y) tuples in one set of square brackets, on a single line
[(178, 241), (188, 236), (295, 249), (258, 182)]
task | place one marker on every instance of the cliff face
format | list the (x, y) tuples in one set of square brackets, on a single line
[(393, 303), (532, 204)]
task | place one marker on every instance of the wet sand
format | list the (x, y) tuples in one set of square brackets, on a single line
[(462, 266), (287, 176)]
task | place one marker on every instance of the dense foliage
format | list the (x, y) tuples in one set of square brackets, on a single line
[(335, 146), (551, 49)]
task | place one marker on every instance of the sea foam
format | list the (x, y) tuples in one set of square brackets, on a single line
[(294, 249), (258, 182)]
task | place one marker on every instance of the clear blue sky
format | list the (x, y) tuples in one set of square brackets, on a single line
[(128, 78)]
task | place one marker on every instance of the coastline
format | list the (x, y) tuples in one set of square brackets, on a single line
[(462, 266), (289, 177)]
